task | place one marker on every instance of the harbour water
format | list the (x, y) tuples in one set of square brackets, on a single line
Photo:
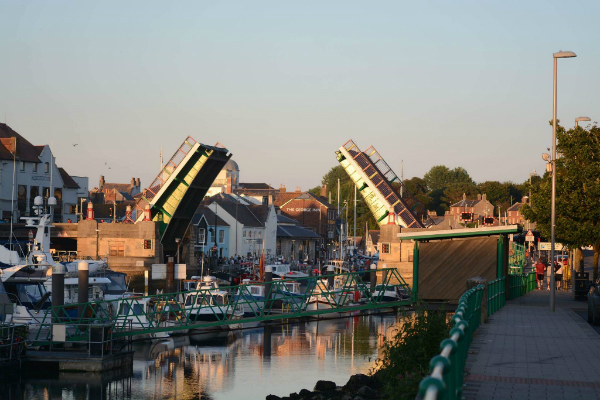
[(248, 364)]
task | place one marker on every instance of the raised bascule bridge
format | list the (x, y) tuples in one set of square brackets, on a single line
[(383, 191), (173, 197)]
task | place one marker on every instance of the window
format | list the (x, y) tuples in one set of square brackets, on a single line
[(259, 234), (22, 165), (46, 167), (117, 250), (385, 248), (34, 167), (201, 236), (244, 234), (221, 236)]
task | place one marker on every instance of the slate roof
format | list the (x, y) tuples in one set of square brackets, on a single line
[(68, 182), (244, 215), (25, 150), (209, 215), (256, 186), (260, 212), (119, 187), (282, 219), (515, 207), (466, 203), (374, 235), (295, 232)]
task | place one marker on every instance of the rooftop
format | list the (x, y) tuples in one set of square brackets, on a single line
[(459, 233)]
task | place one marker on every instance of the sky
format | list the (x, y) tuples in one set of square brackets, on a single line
[(284, 84)]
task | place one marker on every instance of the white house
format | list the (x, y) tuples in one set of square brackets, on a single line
[(27, 171), (250, 227)]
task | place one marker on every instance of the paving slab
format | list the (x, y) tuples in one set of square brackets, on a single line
[(525, 351)]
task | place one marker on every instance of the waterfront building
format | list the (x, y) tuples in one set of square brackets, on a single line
[(372, 242), (35, 173), (202, 236), (295, 242), (251, 225)]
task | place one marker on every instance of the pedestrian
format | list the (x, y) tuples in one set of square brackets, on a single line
[(540, 270), (558, 274)]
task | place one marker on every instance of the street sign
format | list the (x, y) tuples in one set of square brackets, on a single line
[(546, 246), (529, 236)]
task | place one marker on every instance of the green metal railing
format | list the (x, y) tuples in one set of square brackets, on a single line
[(135, 315), (496, 295), (446, 369), (520, 284), (516, 258)]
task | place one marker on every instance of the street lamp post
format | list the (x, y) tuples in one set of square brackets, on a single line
[(560, 54), (581, 119)]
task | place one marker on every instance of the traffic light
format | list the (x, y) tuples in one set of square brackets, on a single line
[(466, 216), (148, 244)]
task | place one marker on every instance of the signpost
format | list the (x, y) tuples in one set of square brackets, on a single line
[(529, 236)]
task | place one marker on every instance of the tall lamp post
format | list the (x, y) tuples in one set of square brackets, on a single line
[(581, 119), (560, 54)]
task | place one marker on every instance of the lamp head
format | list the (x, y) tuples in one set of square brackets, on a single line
[(564, 54), (546, 157), (580, 119)]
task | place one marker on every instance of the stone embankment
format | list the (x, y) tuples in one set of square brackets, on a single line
[(359, 387)]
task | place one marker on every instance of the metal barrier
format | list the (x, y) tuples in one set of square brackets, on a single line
[(520, 284), (446, 369), (97, 340), (516, 258), (183, 311), (13, 341), (496, 297)]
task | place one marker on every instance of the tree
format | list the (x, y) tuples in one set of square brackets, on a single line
[(577, 192), (454, 192), (437, 177)]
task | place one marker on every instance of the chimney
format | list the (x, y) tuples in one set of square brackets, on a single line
[(298, 190), (138, 183), (479, 196), (101, 186), (484, 197), (282, 188), (324, 191), (228, 185), (132, 185)]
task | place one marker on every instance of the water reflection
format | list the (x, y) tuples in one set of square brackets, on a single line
[(277, 359)]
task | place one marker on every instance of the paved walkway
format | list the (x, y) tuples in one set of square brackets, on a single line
[(527, 352)]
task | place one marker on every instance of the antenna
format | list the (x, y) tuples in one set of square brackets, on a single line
[(161, 159), (401, 178)]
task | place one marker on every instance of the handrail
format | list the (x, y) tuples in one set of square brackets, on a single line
[(446, 369), (496, 296)]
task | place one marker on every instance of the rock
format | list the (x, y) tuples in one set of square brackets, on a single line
[(367, 392), (325, 386), (359, 380)]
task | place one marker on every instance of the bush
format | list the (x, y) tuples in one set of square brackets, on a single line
[(405, 357)]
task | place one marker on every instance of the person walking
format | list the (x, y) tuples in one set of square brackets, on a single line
[(559, 274), (540, 270)]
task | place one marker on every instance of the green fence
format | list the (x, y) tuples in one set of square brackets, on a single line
[(446, 369), (516, 258), (496, 295), (520, 284)]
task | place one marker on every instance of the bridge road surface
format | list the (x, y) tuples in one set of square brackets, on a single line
[(527, 352)]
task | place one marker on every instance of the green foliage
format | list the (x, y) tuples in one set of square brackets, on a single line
[(577, 191), (363, 214), (405, 357), (440, 177)]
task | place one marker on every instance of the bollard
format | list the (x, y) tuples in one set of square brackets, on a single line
[(330, 279), (83, 274), (268, 286), (373, 277), (170, 275), (58, 288)]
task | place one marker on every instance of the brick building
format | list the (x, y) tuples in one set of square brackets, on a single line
[(480, 208)]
